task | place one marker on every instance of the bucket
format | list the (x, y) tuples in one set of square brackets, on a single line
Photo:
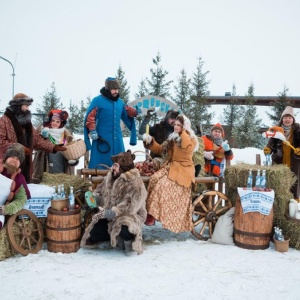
[(282, 246), (252, 230), (63, 230)]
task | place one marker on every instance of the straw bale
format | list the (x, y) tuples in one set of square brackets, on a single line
[(68, 180)]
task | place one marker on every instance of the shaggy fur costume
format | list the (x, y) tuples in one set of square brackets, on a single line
[(126, 196)]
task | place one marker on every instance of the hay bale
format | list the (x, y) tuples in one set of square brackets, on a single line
[(280, 179), (68, 180)]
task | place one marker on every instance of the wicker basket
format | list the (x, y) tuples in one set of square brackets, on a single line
[(75, 150)]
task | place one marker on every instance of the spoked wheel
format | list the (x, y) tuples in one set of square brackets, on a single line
[(25, 232), (206, 211)]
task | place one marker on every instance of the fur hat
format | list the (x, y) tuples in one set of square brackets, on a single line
[(218, 126), (125, 160), (20, 99), (288, 111), (112, 83), (62, 115), (171, 114), (15, 150)]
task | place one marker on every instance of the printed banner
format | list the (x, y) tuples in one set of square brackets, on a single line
[(256, 201), (38, 206)]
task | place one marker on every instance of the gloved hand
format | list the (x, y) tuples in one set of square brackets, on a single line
[(297, 151), (147, 138), (27, 151), (208, 155), (138, 110), (267, 150), (150, 112), (45, 132), (131, 111), (57, 148), (2, 210), (94, 135), (225, 146), (103, 214)]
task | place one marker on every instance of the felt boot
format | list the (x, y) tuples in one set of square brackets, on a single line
[(128, 248), (120, 243)]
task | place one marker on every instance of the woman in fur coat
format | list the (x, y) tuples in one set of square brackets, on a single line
[(122, 211), (169, 198)]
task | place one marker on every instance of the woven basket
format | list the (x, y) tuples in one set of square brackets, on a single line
[(75, 150)]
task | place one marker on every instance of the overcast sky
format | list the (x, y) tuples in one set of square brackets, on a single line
[(77, 44)]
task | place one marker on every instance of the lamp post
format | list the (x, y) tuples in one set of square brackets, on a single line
[(13, 75)]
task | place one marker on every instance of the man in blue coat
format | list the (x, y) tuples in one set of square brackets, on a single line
[(102, 125)]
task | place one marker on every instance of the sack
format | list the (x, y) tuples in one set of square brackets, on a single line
[(75, 150)]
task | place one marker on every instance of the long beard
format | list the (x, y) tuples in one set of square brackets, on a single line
[(23, 117), (11, 169)]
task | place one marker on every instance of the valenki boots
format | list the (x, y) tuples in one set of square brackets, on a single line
[(128, 248)]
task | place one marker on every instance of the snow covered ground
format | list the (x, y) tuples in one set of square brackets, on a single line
[(173, 266)]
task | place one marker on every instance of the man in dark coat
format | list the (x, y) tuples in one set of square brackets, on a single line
[(16, 127), (122, 211)]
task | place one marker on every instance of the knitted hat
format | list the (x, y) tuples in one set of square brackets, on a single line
[(288, 111), (125, 160), (20, 99), (112, 84), (218, 126), (15, 150)]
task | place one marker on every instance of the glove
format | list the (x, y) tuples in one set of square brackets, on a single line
[(267, 150), (208, 155), (94, 135), (27, 151), (104, 214), (57, 148), (45, 132), (2, 210), (131, 111), (297, 151), (150, 112), (138, 110), (225, 146), (147, 138)]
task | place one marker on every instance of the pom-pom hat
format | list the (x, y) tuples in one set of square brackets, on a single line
[(218, 126)]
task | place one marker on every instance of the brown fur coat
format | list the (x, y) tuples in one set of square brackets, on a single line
[(126, 196)]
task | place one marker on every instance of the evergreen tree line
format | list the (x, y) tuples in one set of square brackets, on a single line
[(241, 122)]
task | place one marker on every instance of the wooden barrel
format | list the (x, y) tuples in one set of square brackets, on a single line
[(63, 230), (252, 230)]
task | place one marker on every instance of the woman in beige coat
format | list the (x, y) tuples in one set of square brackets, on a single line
[(169, 190)]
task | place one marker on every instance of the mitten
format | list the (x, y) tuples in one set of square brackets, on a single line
[(131, 111), (225, 146), (138, 110), (99, 215), (147, 138), (57, 148), (267, 150), (45, 132), (94, 135), (150, 112), (297, 151), (26, 151), (208, 155), (2, 210)]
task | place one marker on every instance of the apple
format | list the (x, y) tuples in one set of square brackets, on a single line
[(65, 209), (77, 206)]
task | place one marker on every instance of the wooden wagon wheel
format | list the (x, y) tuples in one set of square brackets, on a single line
[(25, 232), (206, 213)]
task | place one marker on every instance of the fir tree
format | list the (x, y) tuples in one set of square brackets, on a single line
[(50, 101), (279, 105), (124, 91), (158, 86), (247, 132), (199, 107), (231, 116), (183, 93), (143, 91)]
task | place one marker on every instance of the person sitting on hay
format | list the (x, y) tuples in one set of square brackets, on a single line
[(122, 211), (14, 189), (54, 131), (284, 145)]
